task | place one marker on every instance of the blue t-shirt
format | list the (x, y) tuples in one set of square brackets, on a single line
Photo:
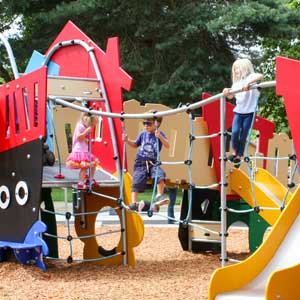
[(148, 147)]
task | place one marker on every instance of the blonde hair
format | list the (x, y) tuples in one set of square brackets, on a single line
[(245, 67), (89, 119)]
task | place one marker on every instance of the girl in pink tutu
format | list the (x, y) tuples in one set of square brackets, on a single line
[(80, 157)]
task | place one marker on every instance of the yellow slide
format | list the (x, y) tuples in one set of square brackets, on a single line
[(273, 271), (134, 222), (269, 192)]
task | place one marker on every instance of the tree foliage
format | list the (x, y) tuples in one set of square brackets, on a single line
[(288, 46), (174, 49), (272, 106)]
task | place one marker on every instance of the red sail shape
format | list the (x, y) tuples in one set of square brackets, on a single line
[(287, 81)]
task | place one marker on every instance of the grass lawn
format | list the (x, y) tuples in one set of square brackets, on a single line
[(58, 195)]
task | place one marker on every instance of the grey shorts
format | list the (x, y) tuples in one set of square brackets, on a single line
[(141, 173)]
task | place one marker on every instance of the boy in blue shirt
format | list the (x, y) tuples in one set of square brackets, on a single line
[(146, 159)]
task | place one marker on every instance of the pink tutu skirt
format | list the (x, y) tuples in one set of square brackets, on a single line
[(81, 160)]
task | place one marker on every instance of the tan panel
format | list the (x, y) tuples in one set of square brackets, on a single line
[(177, 129), (61, 117), (73, 87), (280, 146), (202, 234)]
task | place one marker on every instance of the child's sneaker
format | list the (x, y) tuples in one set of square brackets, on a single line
[(133, 206), (82, 186), (231, 157), (161, 200), (159, 197), (237, 162), (95, 183)]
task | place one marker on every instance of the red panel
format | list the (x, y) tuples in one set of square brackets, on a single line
[(14, 130), (114, 77), (287, 85), (211, 114)]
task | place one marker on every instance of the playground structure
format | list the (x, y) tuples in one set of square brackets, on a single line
[(186, 155)]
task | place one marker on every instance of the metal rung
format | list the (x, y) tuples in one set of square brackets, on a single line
[(206, 241), (204, 222), (76, 98)]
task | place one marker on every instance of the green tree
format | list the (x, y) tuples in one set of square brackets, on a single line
[(288, 46), (6, 21), (174, 49), (272, 106)]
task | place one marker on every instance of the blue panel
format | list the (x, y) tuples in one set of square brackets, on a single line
[(36, 61)]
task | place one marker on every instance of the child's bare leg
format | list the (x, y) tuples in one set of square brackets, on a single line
[(93, 171), (82, 173), (160, 188), (141, 205), (134, 197)]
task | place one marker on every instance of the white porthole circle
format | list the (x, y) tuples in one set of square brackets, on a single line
[(4, 197), (21, 192)]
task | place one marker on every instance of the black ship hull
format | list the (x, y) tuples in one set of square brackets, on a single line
[(20, 188)]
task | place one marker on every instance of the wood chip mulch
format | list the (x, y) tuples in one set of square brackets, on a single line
[(163, 271)]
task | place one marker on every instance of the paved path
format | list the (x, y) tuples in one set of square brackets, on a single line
[(107, 217)]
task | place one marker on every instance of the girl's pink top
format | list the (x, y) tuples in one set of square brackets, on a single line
[(82, 144)]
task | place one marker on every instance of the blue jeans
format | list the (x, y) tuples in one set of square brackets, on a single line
[(172, 191), (240, 127)]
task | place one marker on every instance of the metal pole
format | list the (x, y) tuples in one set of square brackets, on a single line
[(223, 181), (10, 55), (168, 112), (123, 211)]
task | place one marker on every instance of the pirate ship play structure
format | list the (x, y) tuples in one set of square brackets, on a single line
[(76, 75)]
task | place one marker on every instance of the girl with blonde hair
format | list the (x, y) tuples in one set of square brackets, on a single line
[(243, 76)]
